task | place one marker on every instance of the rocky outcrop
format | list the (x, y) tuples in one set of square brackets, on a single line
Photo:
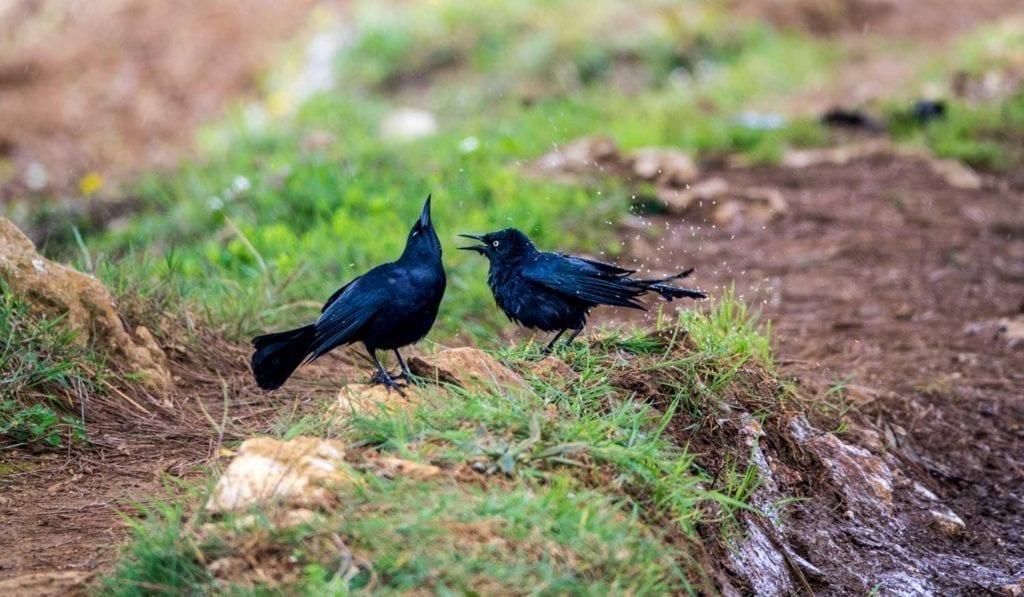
[(52, 289), (859, 522)]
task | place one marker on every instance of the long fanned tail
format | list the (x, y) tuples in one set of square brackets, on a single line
[(670, 292), (278, 355)]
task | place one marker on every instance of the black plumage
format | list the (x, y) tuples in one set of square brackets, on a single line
[(555, 292), (390, 306)]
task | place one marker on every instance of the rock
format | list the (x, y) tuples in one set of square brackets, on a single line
[(369, 398), (390, 467), (301, 472), (50, 289), (665, 166), (1013, 589), (757, 560), (583, 156), (863, 478), (844, 154), (1012, 329), (551, 367), (947, 522), (866, 438), (724, 204), (957, 174), (924, 492), (64, 583), (468, 368), (599, 156), (755, 205), (679, 201), (276, 519), (407, 124)]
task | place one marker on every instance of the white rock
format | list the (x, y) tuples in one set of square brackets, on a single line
[(948, 522), (299, 472)]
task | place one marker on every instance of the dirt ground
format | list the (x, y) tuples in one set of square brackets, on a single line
[(67, 513), (885, 278), (113, 87)]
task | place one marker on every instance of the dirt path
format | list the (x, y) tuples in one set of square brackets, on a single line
[(884, 277)]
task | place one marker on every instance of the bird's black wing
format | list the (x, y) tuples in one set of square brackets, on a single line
[(582, 279), (608, 268), (347, 312), (337, 293)]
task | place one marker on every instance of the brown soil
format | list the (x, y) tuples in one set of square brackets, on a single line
[(884, 277), (64, 512), (128, 82)]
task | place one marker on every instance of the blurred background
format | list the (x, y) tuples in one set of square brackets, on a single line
[(851, 170), (139, 123)]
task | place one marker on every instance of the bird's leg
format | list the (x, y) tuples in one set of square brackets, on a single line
[(573, 336), (382, 376), (406, 374), (551, 345)]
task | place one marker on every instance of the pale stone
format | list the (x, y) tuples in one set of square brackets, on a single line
[(303, 471), (468, 368), (52, 289)]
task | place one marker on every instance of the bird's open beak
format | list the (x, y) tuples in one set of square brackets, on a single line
[(425, 214), (478, 248)]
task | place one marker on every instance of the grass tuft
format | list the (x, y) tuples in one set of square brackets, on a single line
[(44, 374)]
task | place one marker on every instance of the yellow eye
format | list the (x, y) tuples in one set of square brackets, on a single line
[(495, 244)]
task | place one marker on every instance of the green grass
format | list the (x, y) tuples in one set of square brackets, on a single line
[(258, 234), (985, 132), (44, 372), (581, 488)]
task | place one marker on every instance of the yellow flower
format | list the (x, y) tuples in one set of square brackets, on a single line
[(90, 183), (279, 104)]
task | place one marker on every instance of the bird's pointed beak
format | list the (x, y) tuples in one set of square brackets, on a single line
[(425, 214), (478, 248)]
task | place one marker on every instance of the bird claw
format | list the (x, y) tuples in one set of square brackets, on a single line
[(412, 380), (388, 382)]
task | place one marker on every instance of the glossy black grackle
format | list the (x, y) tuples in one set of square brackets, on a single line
[(554, 292), (388, 307)]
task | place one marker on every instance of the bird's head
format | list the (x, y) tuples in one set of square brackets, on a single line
[(500, 246), (422, 237)]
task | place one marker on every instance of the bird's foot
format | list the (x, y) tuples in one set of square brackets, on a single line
[(391, 383), (412, 380)]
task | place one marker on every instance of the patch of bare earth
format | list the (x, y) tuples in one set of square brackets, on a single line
[(62, 512), (117, 86), (885, 43), (883, 276)]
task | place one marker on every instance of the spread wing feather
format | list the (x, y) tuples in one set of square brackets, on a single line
[(583, 279)]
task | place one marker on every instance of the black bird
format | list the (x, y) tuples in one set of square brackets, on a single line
[(388, 307), (555, 292)]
